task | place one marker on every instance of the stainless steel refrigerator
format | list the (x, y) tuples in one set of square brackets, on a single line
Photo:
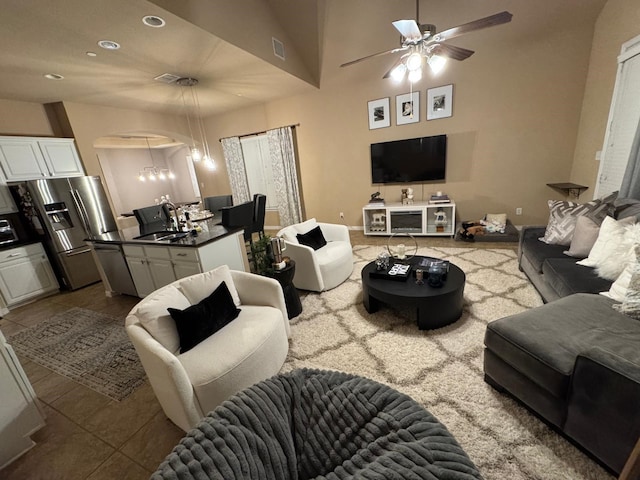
[(67, 212)]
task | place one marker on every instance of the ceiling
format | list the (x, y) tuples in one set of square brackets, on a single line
[(226, 45)]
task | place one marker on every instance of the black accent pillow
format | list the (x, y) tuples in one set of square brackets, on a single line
[(198, 322), (313, 238)]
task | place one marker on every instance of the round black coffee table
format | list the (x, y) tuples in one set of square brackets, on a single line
[(436, 307)]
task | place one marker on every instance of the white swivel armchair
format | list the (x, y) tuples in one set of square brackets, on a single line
[(251, 348), (321, 269)]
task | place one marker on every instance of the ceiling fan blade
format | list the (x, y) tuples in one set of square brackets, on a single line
[(451, 51), (491, 21), (408, 29), (374, 55)]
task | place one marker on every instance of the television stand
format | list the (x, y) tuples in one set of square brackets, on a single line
[(417, 219)]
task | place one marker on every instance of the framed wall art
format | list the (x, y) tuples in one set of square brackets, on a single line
[(379, 113), (407, 108), (439, 102)]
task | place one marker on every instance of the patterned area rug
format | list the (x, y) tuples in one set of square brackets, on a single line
[(442, 369), (89, 347)]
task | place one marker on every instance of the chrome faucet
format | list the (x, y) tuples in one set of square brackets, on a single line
[(166, 206)]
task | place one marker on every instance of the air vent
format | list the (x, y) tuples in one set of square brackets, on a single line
[(278, 48), (167, 78)]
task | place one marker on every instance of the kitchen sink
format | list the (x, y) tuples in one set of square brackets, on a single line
[(166, 236)]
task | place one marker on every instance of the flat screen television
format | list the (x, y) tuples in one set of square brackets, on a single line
[(409, 161)]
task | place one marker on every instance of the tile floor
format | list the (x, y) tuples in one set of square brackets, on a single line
[(87, 435)]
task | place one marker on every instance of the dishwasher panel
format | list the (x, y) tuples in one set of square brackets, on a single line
[(111, 258)]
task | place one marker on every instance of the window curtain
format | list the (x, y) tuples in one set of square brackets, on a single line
[(232, 150), (285, 175), (630, 187)]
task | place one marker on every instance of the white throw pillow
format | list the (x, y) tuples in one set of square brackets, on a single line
[(621, 253), (153, 315), (611, 233), (631, 303), (198, 287), (618, 290)]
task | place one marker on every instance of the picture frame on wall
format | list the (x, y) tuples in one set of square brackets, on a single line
[(407, 108), (379, 113), (439, 102)]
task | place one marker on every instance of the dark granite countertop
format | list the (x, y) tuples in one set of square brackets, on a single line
[(210, 233)]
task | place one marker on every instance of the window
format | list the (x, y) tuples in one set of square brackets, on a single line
[(255, 151), (623, 120)]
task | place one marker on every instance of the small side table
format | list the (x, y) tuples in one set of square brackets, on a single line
[(291, 296)]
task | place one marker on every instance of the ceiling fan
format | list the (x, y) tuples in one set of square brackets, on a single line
[(422, 44)]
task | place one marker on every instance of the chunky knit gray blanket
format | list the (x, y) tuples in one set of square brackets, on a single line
[(312, 424)]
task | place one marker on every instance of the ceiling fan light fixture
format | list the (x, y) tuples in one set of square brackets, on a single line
[(397, 73), (415, 76), (436, 63), (414, 61)]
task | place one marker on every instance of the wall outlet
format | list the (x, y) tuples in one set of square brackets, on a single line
[(519, 211), (341, 214)]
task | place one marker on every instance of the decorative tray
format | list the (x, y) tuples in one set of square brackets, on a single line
[(398, 272)]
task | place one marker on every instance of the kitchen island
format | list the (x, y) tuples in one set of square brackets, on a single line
[(138, 266)]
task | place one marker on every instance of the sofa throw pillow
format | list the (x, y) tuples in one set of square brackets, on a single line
[(621, 254), (563, 216), (611, 233), (313, 238), (631, 303), (198, 322), (619, 288), (584, 237)]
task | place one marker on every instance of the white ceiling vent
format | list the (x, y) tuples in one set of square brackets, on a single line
[(167, 78), (278, 48)]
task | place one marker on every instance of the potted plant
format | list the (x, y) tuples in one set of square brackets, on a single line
[(262, 258)]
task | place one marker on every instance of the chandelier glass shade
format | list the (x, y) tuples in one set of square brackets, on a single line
[(153, 173), (199, 151)]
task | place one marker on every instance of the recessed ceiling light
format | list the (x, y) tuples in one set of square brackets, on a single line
[(153, 21), (109, 45), (53, 76), (92, 54)]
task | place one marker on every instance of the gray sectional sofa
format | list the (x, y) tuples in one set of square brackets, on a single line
[(574, 361)]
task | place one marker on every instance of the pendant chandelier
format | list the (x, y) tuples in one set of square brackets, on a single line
[(153, 173), (194, 121)]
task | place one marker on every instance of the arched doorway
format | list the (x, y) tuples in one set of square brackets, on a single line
[(138, 168)]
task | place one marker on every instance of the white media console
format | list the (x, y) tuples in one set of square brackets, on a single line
[(419, 218)]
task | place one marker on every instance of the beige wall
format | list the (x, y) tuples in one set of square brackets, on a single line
[(513, 129), (618, 23), (23, 118)]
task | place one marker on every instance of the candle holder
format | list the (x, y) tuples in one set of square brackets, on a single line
[(401, 251)]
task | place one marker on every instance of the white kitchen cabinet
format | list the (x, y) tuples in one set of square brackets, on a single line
[(61, 157), (161, 272), (25, 273), (20, 415), (185, 269), (32, 158), (154, 266), (141, 275), (7, 205)]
